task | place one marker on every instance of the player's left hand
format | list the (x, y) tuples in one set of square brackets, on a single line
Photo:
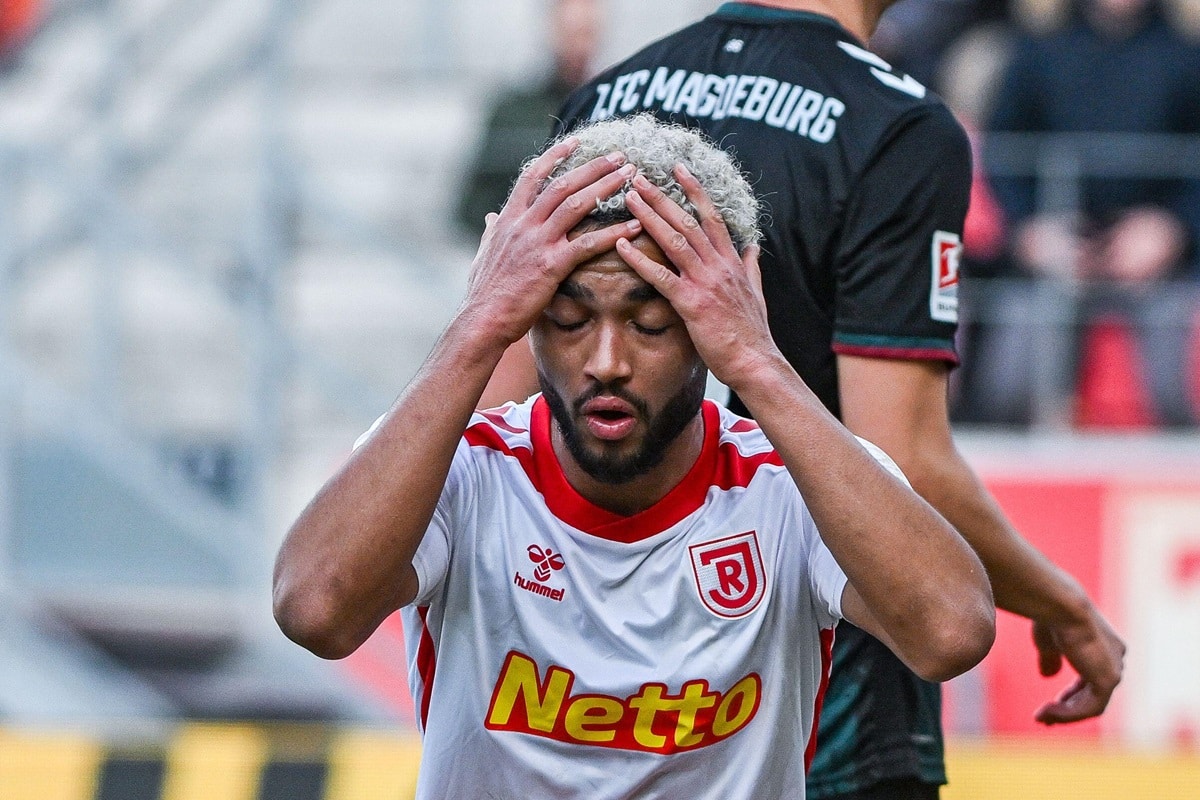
[(717, 291), (1093, 649)]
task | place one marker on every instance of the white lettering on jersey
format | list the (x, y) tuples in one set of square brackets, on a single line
[(883, 71), (757, 98), (943, 291)]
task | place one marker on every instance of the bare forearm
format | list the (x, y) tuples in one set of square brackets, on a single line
[(918, 579), (901, 406), (346, 562), (1024, 581), (515, 377)]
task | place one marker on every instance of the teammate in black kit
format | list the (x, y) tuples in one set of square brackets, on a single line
[(865, 177)]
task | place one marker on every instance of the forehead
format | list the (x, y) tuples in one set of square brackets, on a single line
[(610, 268)]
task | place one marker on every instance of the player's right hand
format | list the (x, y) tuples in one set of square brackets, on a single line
[(526, 253), (1093, 649)]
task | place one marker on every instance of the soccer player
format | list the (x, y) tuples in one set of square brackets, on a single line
[(618, 589), (865, 177)]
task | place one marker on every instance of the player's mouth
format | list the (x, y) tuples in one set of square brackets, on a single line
[(609, 418)]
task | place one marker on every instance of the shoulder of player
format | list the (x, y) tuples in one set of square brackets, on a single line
[(743, 447), (864, 76), (502, 428), (930, 127)]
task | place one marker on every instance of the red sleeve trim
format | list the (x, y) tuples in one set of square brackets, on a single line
[(905, 353), (826, 665)]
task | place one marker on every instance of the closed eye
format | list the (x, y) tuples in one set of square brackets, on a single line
[(650, 331)]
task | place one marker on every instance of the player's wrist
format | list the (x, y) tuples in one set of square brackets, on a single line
[(762, 377), (475, 339)]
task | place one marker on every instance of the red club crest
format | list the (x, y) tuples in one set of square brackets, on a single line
[(546, 561), (729, 574)]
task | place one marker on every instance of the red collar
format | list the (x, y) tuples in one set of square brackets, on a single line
[(575, 510)]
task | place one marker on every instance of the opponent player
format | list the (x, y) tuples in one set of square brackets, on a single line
[(618, 589), (865, 178)]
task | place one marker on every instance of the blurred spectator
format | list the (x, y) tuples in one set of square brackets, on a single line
[(520, 121), (1116, 66), (913, 35)]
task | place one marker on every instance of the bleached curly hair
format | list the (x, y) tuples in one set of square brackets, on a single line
[(655, 147)]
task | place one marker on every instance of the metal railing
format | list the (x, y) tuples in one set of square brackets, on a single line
[(1040, 318)]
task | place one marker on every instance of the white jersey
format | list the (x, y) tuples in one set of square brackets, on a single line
[(559, 650)]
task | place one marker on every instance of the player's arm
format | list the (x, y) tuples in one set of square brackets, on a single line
[(916, 189), (346, 563), (515, 377), (912, 579), (901, 406)]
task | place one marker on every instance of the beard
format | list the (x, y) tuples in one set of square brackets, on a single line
[(661, 429)]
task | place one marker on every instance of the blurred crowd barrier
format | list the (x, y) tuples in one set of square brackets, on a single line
[(219, 762), (1063, 348), (210, 762)]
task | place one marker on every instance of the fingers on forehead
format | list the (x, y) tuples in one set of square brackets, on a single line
[(657, 199), (572, 201)]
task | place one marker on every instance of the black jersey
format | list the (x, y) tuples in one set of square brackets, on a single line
[(864, 177)]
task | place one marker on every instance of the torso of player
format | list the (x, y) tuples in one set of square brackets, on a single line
[(676, 653), (804, 108)]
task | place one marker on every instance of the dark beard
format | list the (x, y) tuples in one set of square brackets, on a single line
[(661, 430)]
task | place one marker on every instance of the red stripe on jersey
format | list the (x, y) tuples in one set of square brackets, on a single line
[(736, 470), (743, 426), (495, 417), (426, 665), (481, 434), (826, 663), (907, 353), (719, 465)]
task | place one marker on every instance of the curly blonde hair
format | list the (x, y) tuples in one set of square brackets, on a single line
[(655, 147)]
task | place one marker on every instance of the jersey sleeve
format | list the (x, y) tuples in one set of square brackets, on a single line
[(432, 559), (897, 256), (828, 578)]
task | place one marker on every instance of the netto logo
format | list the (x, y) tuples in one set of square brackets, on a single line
[(546, 560)]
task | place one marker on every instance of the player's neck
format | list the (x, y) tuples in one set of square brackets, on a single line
[(860, 17), (639, 494)]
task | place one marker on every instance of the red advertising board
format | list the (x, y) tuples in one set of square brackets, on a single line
[(1128, 529)]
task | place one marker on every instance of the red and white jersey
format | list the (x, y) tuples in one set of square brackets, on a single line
[(556, 649)]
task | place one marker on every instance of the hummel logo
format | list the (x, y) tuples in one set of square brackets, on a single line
[(546, 561)]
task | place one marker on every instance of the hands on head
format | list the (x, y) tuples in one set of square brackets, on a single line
[(716, 290), (525, 252), (535, 243)]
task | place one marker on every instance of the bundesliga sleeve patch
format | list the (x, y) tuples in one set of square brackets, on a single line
[(943, 290)]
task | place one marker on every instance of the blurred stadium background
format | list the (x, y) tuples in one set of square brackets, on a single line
[(225, 245)]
